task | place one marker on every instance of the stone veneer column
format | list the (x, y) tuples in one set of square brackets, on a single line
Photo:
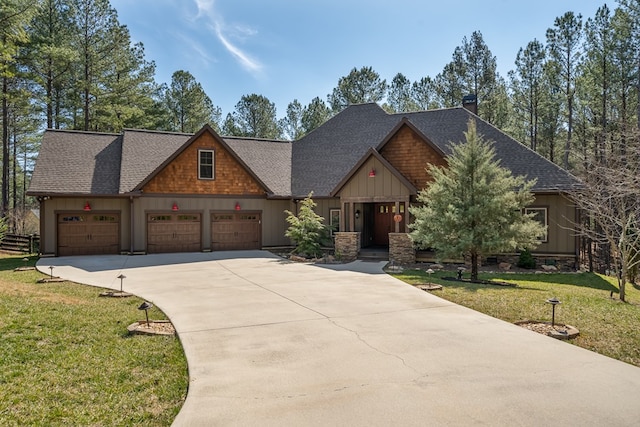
[(401, 249), (347, 245)]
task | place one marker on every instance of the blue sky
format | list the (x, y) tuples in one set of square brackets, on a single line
[(298, 49)]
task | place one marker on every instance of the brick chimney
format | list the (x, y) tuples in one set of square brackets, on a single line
[(470, 102)]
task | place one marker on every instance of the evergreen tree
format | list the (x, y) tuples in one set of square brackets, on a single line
[(399, 98), (188, 105), (474, 206), (307, 229), (291, 124), (254, 117), (564, 46), (423, 94), (314, 115), (358, 87), (14, 16), (49, 56), (526, 88)]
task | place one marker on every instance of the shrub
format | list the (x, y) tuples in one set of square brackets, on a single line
[(526, 260), (307, 230)]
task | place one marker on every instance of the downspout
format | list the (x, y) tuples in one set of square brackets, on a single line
[(131, 225), (41, 219)]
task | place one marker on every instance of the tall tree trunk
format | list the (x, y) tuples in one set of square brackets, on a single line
[(14, 182), (5, 146), (474, 266)]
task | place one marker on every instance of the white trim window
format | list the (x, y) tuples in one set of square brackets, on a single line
[(540, 215), (206, 164)]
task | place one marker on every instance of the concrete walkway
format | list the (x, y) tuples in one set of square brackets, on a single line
[(270, 342)]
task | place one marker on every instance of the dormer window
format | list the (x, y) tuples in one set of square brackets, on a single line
[(206, 162)]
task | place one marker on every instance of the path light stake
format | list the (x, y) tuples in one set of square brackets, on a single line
[(25, 260), (146, 306), (121, 277), (51, 273), (553, 301)]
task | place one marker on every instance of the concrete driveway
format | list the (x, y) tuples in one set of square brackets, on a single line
[(270, 342)]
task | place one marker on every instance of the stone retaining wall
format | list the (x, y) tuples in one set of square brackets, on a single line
[(401, 249), (347, 245)]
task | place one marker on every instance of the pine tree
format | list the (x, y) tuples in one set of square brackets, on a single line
[(307, 229), (474, 206)]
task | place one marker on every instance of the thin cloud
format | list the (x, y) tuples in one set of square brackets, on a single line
[(206, 11)]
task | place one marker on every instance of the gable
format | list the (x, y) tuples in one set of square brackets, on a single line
[(180, 174), (410, 153), (372, 179)]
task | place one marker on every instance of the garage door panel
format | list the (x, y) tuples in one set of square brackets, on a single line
[(88, 234), (173, 233), (238, 231)]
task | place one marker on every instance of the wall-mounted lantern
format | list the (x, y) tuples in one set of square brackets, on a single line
[(358, 214), (372, 173)]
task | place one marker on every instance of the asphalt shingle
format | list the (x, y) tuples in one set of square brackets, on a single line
[(73, 162)]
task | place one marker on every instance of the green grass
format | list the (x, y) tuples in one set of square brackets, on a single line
[(66, 357), (607, 326)]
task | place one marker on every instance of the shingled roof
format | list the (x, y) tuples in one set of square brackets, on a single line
[(323, 157), (79, 163), (73, 162)]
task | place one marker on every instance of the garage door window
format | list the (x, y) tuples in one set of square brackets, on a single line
[(205, 164)]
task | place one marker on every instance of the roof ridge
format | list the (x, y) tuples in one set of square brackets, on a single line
[(165, 132), (248, 138), (85, 132)]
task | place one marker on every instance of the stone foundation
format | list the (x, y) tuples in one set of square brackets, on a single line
[(347, 245), (561, 262), (401, 249)]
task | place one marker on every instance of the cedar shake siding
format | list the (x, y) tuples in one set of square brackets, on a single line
[(409, 153), (181, 175)]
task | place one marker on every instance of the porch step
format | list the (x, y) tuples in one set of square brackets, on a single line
[(373, 255)]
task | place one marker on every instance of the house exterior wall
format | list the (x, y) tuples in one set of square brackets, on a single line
[(409, 154), (272, 215), (561, 218), (384, 184), (53, 206), (181, 175)]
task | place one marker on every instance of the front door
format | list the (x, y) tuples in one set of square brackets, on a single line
[(384, 222)]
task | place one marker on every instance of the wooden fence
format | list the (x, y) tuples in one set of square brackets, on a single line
[(28, 244)]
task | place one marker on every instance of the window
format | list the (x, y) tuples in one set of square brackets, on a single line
[(540, 215), (334, 220), (205, 164)]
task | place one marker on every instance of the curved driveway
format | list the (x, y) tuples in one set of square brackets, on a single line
[(270, 342)]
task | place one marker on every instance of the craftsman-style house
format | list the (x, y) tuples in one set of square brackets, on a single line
[(148, 192)]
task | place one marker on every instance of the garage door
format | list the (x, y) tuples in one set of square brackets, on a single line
[(171, 232), (88, 234), (235, 231)]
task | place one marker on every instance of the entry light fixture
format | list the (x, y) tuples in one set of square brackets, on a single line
[(174, 207), (358, 214), (238, 206), (372, 173), (87, 207)]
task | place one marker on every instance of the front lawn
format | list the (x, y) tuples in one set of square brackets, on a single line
[(607, 326), (66, 357)]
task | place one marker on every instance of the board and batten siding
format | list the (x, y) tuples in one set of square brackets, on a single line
[(561, 219), (383, 184), (272, 211), (56, 205)]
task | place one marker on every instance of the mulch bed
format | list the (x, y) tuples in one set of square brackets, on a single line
[(559, 331), (154, 327)]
